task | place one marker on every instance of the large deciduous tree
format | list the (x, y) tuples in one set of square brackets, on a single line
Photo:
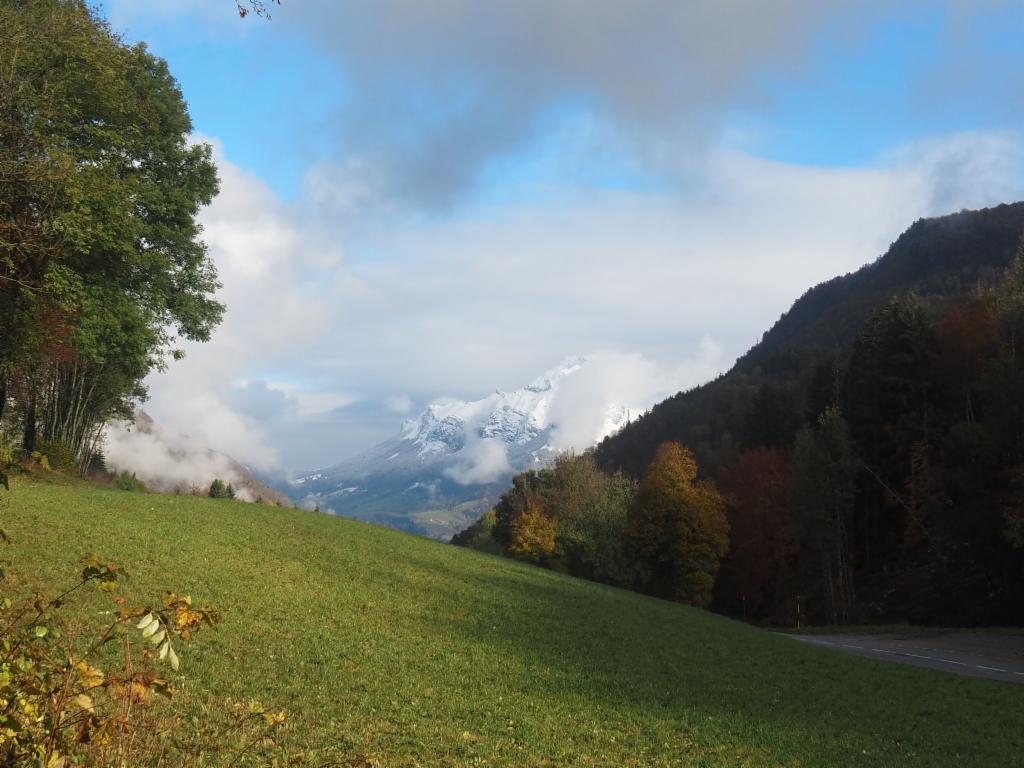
[(677, 529), (756, 580), (528, 490), (533, 535), (590, 511), (101, 265)]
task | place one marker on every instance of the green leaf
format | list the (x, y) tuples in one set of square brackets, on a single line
[(158, 637), (173, 657), (41, 631), (145, 621)]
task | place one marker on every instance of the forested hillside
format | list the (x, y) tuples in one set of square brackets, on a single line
[(909, 489), (864, 462), (787, 376), (941, 257)]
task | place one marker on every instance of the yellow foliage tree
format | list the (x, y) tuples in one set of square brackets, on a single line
[(677, 530), (533, 534)]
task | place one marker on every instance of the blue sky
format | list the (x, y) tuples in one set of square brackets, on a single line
[(427, 199), (255, 91), (860, 92)]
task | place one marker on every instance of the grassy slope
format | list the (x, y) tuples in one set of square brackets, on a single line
[(404, 651)]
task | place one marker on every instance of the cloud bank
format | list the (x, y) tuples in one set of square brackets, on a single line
[(628, 381), (490, 297), (439, 90), (272, 271), (482, 460), (167, 461), (514, 182), (323, 352)]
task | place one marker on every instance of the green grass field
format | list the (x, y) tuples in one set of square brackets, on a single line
[(391, 650)]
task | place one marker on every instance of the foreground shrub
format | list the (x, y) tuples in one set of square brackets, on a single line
[(127, 481), (59, 455), (101, 696), (479, 535)]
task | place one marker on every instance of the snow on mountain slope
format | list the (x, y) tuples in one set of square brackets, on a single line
[(452, 461), (515, 418)]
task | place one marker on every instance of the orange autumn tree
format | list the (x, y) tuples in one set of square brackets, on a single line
[(533, 534), (677, 530)]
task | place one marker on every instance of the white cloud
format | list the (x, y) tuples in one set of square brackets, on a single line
[(168, 461), (272, 275), (400, 404), (482, 460), (434, 95), (306, 404), (968, 170), (437, 91), (626, 380), (491, 296)]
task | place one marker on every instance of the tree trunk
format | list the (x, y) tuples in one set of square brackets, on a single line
[(29, 442), (829, 587)]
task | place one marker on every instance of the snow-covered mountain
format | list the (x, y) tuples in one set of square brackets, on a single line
[(452, 461)]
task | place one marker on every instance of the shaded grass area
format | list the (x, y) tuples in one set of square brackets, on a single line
[(387, 649)]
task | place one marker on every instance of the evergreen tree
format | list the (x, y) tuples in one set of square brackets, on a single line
[(824, 469), (772, 420), (218, 490)]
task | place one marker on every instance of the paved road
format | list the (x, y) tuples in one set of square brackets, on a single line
[(996, 656)]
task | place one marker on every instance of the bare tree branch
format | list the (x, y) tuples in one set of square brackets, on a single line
[(259, 7)]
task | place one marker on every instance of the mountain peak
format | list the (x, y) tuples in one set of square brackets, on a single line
[(453, 456), (550, 379), (516, 418)]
